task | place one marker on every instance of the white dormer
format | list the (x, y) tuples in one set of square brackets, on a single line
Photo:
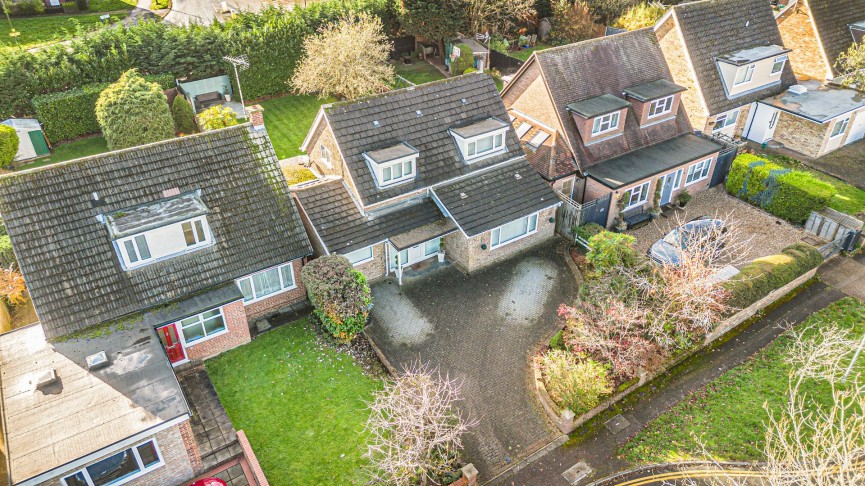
[(393, 165), (481, 139), (749, 69)]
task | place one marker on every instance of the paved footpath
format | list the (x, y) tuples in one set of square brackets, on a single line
[(599, 448)]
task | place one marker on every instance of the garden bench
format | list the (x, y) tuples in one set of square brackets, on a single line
[(639, 219), (206, 100)]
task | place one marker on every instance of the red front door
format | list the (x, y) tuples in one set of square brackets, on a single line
[(171, 341)]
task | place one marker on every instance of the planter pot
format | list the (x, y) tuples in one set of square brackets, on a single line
[(228, 98), (441, 256)]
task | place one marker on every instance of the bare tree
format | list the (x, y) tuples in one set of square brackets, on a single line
[(347, 58), (416, 431), (498, 15)]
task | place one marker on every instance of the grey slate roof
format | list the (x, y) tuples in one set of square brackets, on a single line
[(651, 160), (387, 154), (607, 66), (598, 105), (442, 108), (67, 256), (489, 199), (832, 19), (341, 226), (654, 90), (713, 28)]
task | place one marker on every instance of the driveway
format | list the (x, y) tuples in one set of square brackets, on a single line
[(482, 329), (185, 12)]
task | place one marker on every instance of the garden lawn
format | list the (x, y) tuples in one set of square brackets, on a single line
[(288, 119), (300, 402), (418, 72), (728, 415), (71, 150), (47, 28), (849, 199), (524, 54)]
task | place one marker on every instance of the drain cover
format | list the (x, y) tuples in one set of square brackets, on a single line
[(577, 473), (617, 424)]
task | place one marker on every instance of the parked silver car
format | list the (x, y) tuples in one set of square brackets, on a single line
[(666, 251)]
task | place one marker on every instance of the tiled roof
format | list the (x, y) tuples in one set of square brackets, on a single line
[(608, 66), (832, 19), (342, 227), (68, 258), (552, 159), (489, 199), (442, 108), (713, 28)]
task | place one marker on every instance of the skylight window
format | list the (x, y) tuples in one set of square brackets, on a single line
[(539, 139), (523, 129)]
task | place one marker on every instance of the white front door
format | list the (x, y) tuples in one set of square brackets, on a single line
[(417, 253), (763, 123), (857, 129)]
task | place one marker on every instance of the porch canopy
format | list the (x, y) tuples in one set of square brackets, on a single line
[(193, 305), (652, 160), (423, 233)]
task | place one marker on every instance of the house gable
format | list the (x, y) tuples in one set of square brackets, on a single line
[(682, 70), (800, 34), (832, 20)]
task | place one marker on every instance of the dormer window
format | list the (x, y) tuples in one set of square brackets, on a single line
[(778, 66), (605, 123), (599, 115), (163, 242), (481, 139), (661, 106), (744, 74), (393, 165)]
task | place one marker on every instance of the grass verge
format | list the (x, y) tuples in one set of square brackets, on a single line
[(288, 119), (300, 402), (68, 151), (418, 72), (525, 53)]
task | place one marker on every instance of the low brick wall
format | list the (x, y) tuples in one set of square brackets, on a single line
[(257, 472), (567, 423)]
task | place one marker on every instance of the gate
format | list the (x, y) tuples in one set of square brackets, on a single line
[(842, 231), (725, 156), (572, 213)]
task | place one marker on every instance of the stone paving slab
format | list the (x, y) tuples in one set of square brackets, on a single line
[(481, 328), (213, 431)]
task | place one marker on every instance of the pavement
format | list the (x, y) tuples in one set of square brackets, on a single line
[(204, 12), (482, 329), (597, 445)]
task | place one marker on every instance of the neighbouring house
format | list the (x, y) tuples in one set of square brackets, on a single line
[(818, 31), (31, 140), (417, 170), (602, 120), (136, 261), (729, 54)]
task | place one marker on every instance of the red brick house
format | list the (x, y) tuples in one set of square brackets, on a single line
[(603, 120)]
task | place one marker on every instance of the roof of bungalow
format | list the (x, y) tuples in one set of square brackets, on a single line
[(821, 103)]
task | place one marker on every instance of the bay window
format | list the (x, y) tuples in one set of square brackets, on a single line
[(119, 468), (514, 230), (266, 283)]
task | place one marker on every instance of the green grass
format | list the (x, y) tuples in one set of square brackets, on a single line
[(35, 31), (728, 415), (301, 404), (418, 72), (72, 150), (288, 119), (849, 199), (111, 5), (525, 53)]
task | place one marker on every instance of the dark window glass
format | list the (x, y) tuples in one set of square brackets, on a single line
[(147, 453), (113, 469), (199, 230), (143, 249), (76, 479), (188, 235)]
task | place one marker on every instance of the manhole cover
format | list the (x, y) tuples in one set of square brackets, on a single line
[(577, 473), (617, 424)]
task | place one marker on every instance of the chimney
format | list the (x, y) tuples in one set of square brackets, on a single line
[(256, 116)]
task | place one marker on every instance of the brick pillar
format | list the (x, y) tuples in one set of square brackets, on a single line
[(256, 116), (191, 447)]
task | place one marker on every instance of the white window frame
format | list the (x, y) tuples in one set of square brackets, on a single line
[(468, 146), (703, 167), (142, 470), (124, 251), (285, 289), (644, 195), (523, 129), (406, 175), (729, 118), (783, 61), (667, 102), (324, 155), (362, 260), (748, 77), (608, 118), (186, 344), (124, 255), (843, 123), (531, 228), (204, 230)]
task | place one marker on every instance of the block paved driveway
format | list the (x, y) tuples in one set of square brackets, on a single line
[(482, 329)]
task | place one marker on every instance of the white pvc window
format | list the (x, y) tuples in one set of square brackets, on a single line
[(431, 247), (744, 74), (202, 326), (193, 232), (266, 283), (136, 250), (725, 120), (360, 256), (638, 195), (778, 65), (840, 127), (698, 172), (661, 106), (514, 230), (485, 144), (397, 172), (523, 129), (163, 242), (539, 139), (605, 123), (324, 155), (119, 468)]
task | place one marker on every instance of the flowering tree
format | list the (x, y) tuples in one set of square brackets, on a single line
[(851, 63), (416, 432), (339, 294)]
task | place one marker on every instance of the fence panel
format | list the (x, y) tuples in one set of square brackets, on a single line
[(503, 62)]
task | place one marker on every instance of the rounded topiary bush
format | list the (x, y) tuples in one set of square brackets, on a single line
[(184, 118), (339, 294), (133, 112), (8, 145)]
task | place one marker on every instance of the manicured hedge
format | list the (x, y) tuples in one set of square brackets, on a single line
[(763, 275), (788, 194), (8, 145)]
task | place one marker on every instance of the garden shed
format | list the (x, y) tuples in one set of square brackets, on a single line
[(31, 140), (207, 92), (454, 48)]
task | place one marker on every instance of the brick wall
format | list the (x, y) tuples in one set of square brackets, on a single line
[(324, 136), (801, 135), (375, 268), (280, 301), (191, 447), (176, 470), (528, 94), (797, 32), (238, 333), (468, 254), (677, 59)]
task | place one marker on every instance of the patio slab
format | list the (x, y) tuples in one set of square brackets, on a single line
[(483, 329)]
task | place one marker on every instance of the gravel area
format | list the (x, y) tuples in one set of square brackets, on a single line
[(769, 234)]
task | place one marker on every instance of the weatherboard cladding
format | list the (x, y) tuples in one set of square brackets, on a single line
[(442, 109), (713, 28), (486, 200), (832, 19), (68, 258), (343, 228)]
